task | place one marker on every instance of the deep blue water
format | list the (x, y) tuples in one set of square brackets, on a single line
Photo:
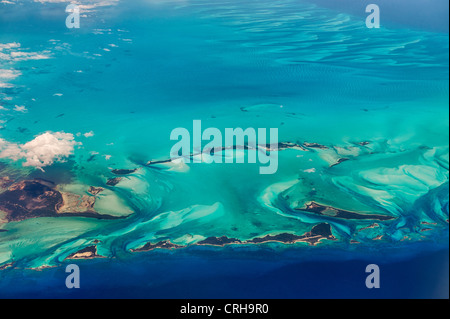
[(266, 275)]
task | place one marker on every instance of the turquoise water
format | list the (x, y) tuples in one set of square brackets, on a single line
[(135, 71)]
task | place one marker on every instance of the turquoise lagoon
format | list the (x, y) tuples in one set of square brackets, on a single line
[(136, 70)]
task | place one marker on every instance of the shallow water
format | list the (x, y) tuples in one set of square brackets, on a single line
[(133, 72)]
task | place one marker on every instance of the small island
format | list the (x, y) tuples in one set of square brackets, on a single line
[(317, 233), (40, 198), (165, 244), (219, 241), (323, 210), (85, 253)]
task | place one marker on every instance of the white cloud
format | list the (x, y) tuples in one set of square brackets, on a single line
[(9, 74), (43, 151), (20, 108), (25, 56), (12, 45), (12, 52), (10, 150)]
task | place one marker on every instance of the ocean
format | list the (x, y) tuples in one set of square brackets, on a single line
[(366, 108)]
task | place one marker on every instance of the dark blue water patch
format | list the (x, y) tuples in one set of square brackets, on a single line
[(180, 276)]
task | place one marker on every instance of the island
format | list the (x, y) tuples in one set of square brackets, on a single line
[(85, 253), (165, 244), (317, 233), (323, 210)]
